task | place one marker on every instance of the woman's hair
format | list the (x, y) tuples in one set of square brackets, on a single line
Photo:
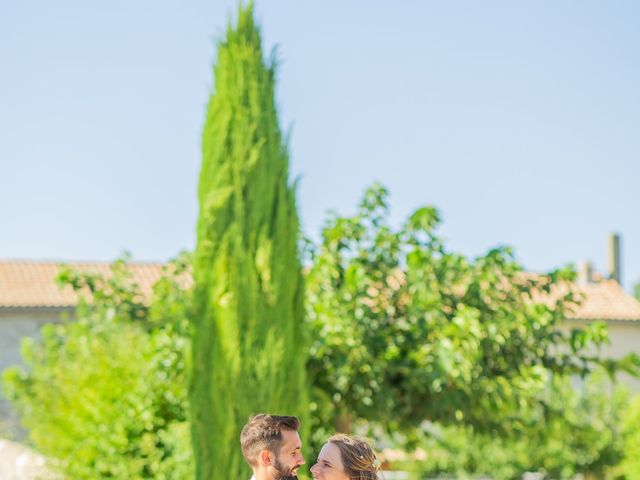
[(358, 459)]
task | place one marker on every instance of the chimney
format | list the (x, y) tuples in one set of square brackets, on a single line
[(613, 250), (585, 272)]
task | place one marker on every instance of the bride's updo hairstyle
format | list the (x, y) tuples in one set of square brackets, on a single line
[(358, 459)]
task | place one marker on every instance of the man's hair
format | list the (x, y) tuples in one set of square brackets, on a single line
[(264, 432)]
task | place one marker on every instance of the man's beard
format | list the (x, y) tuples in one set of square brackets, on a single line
[(283, 473)]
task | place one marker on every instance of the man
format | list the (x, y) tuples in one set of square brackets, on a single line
[(271, 445)]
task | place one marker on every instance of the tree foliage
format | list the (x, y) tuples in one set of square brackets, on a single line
[(586, 438), (103, 395), (249, 350), (630, 465), (405, 330)]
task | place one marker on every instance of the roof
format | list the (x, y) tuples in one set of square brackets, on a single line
[(31, 284), (605, 300)]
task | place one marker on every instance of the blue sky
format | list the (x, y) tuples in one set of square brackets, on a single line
[(518, 120)]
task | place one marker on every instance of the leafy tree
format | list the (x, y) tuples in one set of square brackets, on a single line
[(636, 290), (104, 395), (249, 351), (405, 331)]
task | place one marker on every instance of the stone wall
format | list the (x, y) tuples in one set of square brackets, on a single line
[(18, 462), (14, 325)]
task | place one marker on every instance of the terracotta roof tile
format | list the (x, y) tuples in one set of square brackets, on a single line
[(31, 284), (605, 300)]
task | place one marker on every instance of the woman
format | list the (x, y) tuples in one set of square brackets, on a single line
[(346, 458)]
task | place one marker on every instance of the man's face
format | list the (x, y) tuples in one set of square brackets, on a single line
[(290, 458)]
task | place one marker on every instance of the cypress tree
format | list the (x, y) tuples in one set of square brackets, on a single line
[(248, 344)]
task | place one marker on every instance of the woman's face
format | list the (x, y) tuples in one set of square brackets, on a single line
[(329, 465)]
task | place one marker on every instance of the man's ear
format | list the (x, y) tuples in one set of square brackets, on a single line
[(265, 457)]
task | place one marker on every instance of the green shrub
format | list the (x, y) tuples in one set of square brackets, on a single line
[(103, 395), (630, 465), (579, 434)]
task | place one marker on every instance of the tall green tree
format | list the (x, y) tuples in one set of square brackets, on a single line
[(248, 342)]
